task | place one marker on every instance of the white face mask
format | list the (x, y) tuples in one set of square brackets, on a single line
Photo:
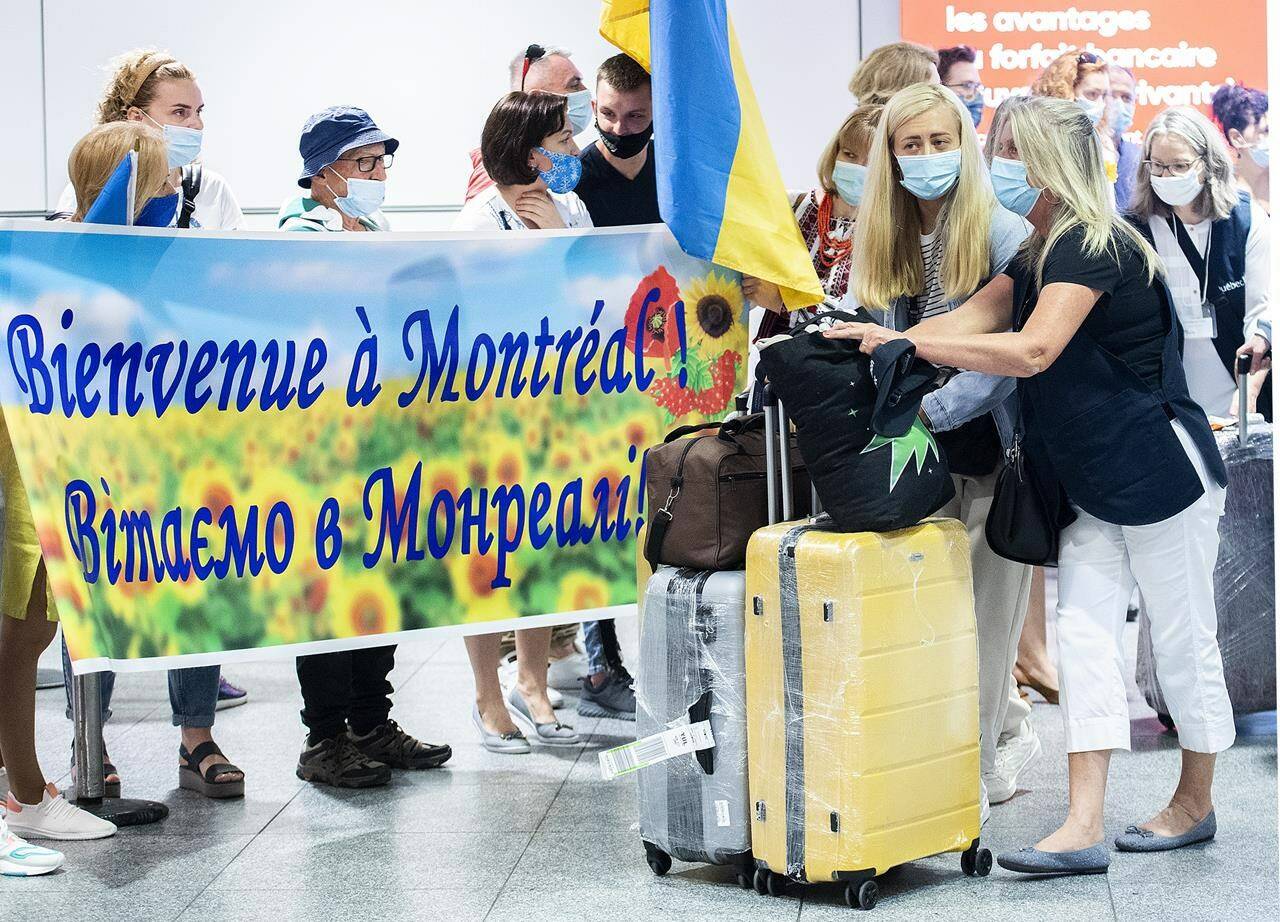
[(1175, 191), (1094, 108)]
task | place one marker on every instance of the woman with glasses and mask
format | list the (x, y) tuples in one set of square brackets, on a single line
[(930, 233), (1241, 112), (1122, 460), (1215, 243), (1085, 77), (958, 70)]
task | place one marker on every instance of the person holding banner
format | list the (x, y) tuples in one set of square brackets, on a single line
[(1084, 77), (106, 167), (930, 233), (1124, 465), (527, 147), (1241, 112), (352, 742), (1215, 243), (891, 68)]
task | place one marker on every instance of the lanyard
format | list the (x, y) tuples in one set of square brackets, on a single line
[(1199, 264)]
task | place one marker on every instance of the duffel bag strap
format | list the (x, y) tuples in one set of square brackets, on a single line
[(659, 524)]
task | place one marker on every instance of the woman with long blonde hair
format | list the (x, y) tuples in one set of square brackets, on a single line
[(930, 233), (1122, 460)]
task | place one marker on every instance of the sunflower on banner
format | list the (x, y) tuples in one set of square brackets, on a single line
[(695, 329)]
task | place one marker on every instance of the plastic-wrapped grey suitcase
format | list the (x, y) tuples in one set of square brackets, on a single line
[(1243, 581), (694, 806)]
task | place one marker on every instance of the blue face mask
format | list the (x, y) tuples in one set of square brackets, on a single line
[(580, 114), (566, 170), (1009, 182), (1261, 154), (1120, 115), (849, 178), (158, 212), (976, 107), (363, 198), (1094, 108), (930, 176), (182, 144)]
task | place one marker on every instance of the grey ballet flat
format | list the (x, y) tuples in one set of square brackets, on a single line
[(549, 734), (513, 744), (1092, 860), (1137, 839)]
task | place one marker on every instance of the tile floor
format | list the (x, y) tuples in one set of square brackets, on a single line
[(543, 837)]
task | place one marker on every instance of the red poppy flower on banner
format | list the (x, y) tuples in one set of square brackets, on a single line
[(659, 339)]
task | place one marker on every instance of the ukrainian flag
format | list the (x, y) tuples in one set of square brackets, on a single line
[(719, 188)]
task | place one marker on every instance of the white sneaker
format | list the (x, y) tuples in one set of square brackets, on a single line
[(984, 803), (20, 859), (1013, 754), (507, 673), (56, 818), (565, 672)]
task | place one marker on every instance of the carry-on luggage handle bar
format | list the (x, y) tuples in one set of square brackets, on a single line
[(777, 454), (1243, 364)]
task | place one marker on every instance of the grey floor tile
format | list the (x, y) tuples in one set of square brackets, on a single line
[(367, 904), (344, 860), (45, 905), (670, 899), (418, 802)]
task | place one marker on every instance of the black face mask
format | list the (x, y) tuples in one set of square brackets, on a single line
[(625, 146)]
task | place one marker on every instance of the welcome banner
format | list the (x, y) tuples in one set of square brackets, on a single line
[(234, 442)]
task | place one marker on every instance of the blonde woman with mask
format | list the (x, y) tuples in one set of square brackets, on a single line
[(1215, 243), (1124, 462), (826, 217), (930, 233)]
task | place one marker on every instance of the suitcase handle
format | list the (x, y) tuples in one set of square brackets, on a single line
[(1243, 364), (699, 711)]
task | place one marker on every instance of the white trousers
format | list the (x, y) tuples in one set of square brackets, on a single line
[(1001, 589), (1172, 563)]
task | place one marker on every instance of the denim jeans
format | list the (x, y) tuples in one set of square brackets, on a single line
[(193, 693), (601, 641)]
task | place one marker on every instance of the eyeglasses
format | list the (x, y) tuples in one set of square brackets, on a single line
[(1177, 168), (531, 54), (372, 162), (966, 90)]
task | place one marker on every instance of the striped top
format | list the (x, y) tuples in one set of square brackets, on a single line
[(933, 300)]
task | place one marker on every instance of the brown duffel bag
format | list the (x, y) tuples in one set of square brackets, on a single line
[(706, 485)]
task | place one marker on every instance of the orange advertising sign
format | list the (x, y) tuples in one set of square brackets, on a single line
[(1179, 50)]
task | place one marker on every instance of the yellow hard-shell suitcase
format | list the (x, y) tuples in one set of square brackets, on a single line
[(862, 703)]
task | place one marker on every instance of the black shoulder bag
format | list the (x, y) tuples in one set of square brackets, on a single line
[(1018, 524), (192, 175)]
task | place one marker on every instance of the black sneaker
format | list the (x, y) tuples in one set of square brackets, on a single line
[(337, 762), (390, 745), (615, 697)]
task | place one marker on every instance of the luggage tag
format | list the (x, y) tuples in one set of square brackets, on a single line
[(669, 744)]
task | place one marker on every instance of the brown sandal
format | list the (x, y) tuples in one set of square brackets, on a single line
[(191, 779), (1025, 681)]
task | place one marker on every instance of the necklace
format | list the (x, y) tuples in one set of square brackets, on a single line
[(833, 247)]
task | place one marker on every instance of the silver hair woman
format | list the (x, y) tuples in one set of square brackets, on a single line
[(1122, 460), (1216, 247)]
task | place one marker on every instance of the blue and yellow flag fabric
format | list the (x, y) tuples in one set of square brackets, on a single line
[(719, 187)]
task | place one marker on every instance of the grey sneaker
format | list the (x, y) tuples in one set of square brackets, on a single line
[(615, 697)]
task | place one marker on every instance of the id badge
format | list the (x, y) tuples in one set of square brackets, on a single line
[(1203, 324)]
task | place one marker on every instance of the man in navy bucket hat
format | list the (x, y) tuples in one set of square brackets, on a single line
[(345, 158)]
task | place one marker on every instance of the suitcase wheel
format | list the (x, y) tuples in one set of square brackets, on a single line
[(659, 861), (776, 884), (975, 861), (862, 895)]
